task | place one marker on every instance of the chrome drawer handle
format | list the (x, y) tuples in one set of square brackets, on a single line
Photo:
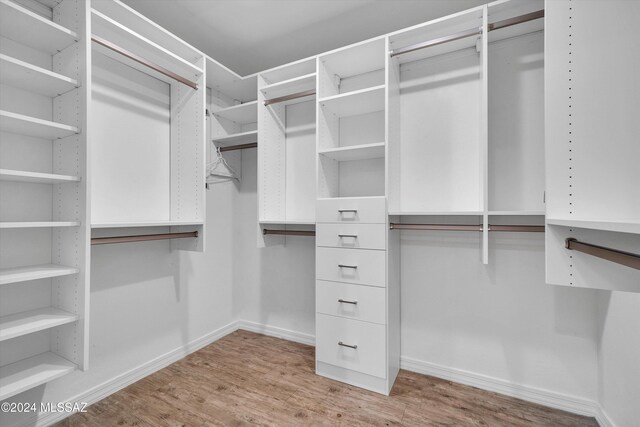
[(355, 236), (347, 266), (344, 301), (347, 345)]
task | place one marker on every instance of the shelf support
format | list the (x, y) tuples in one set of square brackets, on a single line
[(619, 257)]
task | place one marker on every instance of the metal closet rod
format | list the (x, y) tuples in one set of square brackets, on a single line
[(470, 33), (472, 227), (141, 238), (267, 231), (619, 257), (144, 61), (290, 97), (239, 147)]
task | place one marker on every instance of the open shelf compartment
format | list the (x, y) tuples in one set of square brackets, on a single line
[(22, 75)]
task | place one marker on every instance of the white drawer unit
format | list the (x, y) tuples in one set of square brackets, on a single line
[(371, 210), (352, 344), (361, 266), (366, 303), (354, 236)]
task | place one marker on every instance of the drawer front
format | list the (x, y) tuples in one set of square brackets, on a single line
[(358, 302), (366, 210), (360, 236), (360, 266), (369, 354)]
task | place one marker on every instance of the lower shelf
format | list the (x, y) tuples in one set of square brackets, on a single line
[(32, 321), (34, 272), (32, 372)]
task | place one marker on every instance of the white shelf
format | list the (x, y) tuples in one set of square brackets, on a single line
[(432, 213), (604, 225), (20, 74), (32, 321), (23, 26), (355, 103), (32, 372), (34, 272), (241, 113), (356, 59), (220, 78), (355, 152), (144, 224), (35, 177), (31, 126), (288, 222), (39, 224), (237, 138), (291, 86), (516, 213), (288, 72)]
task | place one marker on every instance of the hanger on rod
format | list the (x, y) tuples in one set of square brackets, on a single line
[(219, 170)]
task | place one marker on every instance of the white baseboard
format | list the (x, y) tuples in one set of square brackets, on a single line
[(565, 402), (276, 332), (103, 390), (603, 418)]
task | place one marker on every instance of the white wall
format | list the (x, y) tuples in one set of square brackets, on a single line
[(619, 360)]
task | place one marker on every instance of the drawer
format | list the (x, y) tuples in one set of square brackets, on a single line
[(358, 302), (362, 236), (366, 210), (361, 266), (369, 354)]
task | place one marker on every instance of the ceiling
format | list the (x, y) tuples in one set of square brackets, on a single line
[(254, 35)]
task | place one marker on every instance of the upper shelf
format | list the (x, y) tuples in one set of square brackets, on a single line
[(20, 74), (291, 71), (290, 87), (35, 177), (117, 34), (237, 138), (23, 26), (241, 113), (220, 78), (356, 59), (355, 103), (31, 126), (619, 226)]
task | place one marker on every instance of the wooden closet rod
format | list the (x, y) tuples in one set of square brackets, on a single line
[(289, 97), (141, 238), (619, 257), (465, 227), (144, 61), (239, 147), (469, 33), (289, 232)]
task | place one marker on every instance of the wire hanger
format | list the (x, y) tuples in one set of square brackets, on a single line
[(219, 170)]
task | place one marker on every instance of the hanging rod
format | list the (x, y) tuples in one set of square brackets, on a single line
[(469, 33), (289, 232), (289, 97), (464, 227), (144, 62), (238, 147), (619, 257), (141, 238)]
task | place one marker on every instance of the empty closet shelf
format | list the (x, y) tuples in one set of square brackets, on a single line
[(355, 152), (291, 86), (237, 138), (32, 372), (32, 321), (35, 177), (22, 75), (38, 224), (31, 126), (241, 113), (34, 272), (42, 34), (355, 103)]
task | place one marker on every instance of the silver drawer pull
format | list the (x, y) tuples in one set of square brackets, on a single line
[(348, 210), (344, 301), (347, 266), (355, 236), (347, 345)]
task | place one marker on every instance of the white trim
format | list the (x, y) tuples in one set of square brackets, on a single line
[(111, 386), (552, 399), (274, 331), (603, 419)]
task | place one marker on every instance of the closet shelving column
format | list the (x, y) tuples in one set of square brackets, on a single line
[(286, 147), (160, 143), (357, 304), (44, 229), (591, 139)]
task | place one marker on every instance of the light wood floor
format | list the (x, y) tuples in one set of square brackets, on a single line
[(251, 379)]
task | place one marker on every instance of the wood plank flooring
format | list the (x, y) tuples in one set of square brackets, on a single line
[(248, 379)]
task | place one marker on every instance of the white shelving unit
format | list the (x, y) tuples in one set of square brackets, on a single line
[(32, 78), (34, 272), (46, 84), (355, 152), (240, 113), (354, 103)]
